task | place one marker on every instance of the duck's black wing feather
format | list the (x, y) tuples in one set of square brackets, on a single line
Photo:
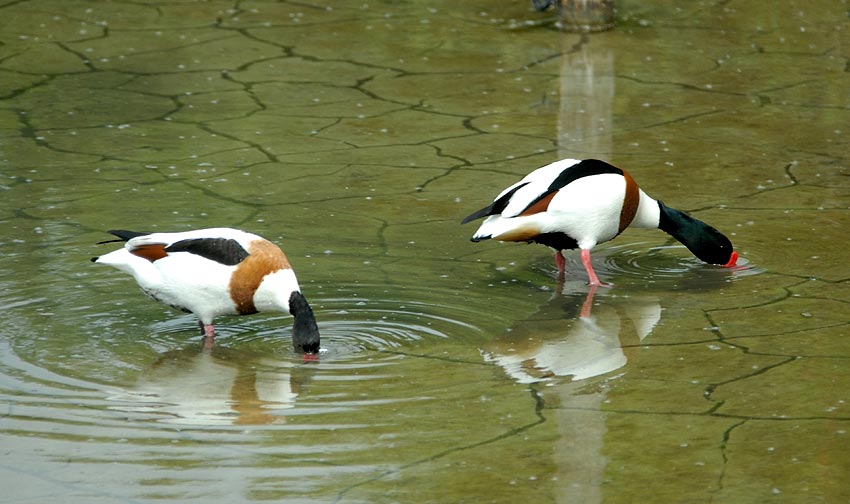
[(123, 235), (495, 207)]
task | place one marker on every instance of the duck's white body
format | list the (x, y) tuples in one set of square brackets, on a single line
[(213, 272), (580, 203), (575, 209)]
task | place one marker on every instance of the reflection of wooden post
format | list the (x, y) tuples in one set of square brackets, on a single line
[(579, 449), (587, 99), (586, 15)]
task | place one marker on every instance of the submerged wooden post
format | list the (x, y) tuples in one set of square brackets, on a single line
[(585, 123), (586, 15)]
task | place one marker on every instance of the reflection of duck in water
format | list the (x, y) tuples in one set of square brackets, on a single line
[(212, 272), (572, 204), (556, 342), (219, 387)]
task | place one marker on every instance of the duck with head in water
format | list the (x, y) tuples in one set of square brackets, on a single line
[(212, 272), (575, 203)]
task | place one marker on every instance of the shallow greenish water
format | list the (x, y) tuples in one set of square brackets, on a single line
[(357, 135)]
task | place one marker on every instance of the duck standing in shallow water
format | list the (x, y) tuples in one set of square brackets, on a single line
[(574, 203), (212, 272)]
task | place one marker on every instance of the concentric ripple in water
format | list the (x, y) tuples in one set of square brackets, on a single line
[(669, 266), (131, 392)]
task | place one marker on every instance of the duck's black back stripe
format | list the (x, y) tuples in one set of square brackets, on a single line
[(584, 168), (220, 250), (581, 169)]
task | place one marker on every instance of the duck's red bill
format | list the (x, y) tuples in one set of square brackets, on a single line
[(732, 260)]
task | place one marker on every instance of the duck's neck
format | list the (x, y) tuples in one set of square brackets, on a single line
[(704, 241), (648, 213), (305, 332)]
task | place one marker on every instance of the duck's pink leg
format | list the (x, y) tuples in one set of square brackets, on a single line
[(591, 275), (208, 333), (560, 262), (206, 329)]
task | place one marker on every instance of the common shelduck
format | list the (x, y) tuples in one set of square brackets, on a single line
[(574, 203), (212, 272)]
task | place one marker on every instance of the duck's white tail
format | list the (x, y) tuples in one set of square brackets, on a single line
[(507, 229), (123, 260)]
